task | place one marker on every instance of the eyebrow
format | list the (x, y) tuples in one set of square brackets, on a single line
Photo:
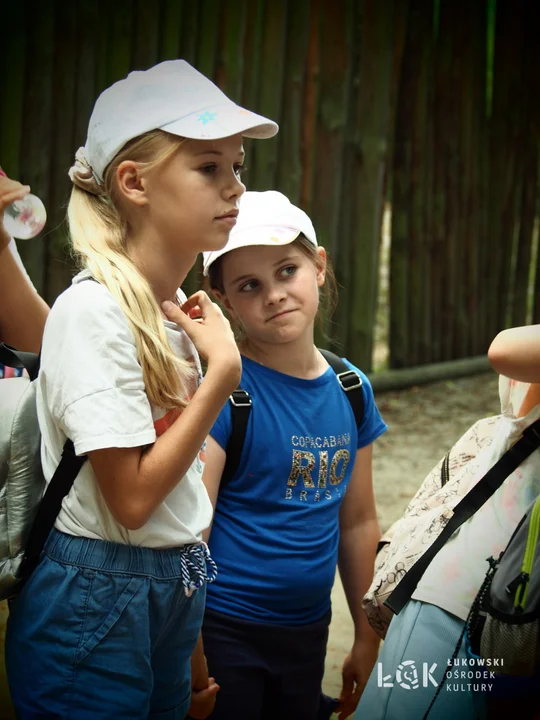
[(242, 278)]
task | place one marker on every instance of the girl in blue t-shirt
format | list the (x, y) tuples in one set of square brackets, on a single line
[(301, 499)]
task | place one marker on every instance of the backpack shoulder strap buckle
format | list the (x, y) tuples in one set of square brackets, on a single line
[(240, 398), (349, 380)]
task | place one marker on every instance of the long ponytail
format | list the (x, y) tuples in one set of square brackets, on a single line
[(99, 239)]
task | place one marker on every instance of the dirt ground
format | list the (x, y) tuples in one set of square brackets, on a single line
[(423, 423)]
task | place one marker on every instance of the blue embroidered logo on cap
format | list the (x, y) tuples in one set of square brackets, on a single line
[(206, 117)]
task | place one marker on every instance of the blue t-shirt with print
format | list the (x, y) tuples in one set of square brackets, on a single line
[(275, 532)]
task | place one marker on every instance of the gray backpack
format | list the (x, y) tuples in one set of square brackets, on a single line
[(505, 620), (27, 515)]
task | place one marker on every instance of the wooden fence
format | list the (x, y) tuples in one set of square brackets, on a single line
[(431, 104)]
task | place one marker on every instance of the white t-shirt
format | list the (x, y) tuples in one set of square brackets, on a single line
[(91, 389), (455, 575)]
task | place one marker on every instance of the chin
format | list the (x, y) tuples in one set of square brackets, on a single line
[(221, 240), (216, 241), (285, 335)]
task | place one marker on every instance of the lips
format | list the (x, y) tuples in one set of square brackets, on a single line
[(231, 215), (280, 314)]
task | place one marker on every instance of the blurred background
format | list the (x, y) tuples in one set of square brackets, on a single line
[(410, 134), (421, 113)]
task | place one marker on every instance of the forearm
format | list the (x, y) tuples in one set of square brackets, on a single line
[(22, 311), (143, 479), (515, 353), (357, 550), (199, 668)]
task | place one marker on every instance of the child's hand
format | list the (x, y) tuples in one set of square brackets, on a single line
[(209, 329), (203, 701), (10, 190), (356, 671)]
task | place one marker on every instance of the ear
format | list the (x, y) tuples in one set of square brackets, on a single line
[(131, 183), (321, 266), (222, 298)]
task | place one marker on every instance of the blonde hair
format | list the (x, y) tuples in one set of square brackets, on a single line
[(100, 243)]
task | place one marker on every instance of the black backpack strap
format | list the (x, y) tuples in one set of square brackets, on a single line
[(240, 409), (49, 507), (240, 401), (465, 509), (350, 381), (18, 359)]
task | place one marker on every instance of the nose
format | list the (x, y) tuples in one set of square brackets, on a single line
[(275, 294), (235, 188)]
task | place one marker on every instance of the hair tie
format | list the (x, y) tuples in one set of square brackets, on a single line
[(82, 175)]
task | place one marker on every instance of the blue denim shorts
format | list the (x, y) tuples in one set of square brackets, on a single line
[(105, 631)]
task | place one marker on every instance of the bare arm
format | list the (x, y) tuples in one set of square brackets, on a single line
[(134, 481), (213, 470), (360, 534), (22, 310), (358, 544), (515, 353)]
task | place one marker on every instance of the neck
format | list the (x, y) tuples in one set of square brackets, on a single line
[(299, 358), (165, 271)]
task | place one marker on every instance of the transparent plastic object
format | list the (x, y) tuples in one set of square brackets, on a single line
[(26, 218)]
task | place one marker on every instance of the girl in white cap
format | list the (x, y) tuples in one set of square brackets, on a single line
[(298, 493), (105, 625)]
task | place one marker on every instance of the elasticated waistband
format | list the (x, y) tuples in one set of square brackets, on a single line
[(159, 563)]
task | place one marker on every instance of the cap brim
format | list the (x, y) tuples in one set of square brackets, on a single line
[(250, 237), (221, 121)]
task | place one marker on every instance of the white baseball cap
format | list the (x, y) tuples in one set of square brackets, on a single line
[(264, 218), (173, 97)]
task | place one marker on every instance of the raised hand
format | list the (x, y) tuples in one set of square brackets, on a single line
[(10, 191)]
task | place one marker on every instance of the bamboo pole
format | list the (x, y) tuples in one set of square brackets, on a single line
[(345, 231), (290, 139), (419, 54), (371, 148), (86, 90), (401, 199), (460, 181), (426, 207), (433, 372), (35, 157), (503, 173), (476, 242), (58, 270), (450, 19), (170, 30), (270, 99), (439, 285), (12, 68), (328, 183), (146, 31), (102, 54), (189, 31), (311, 83), (230, 59), (209, 22), (121, 41), (252, 70), (529, 162)]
